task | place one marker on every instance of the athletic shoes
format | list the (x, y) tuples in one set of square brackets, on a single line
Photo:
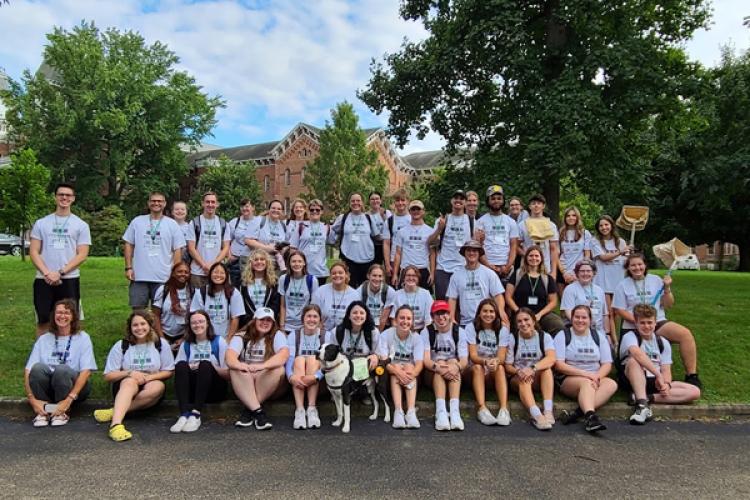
[(59, 420), (441, 421), (550, 417), (398, 420), (313, 420), (457, 423), (593, 424), (503, 417), (485, 417), (568, 418), (299, 419), (246, 418), (641, 415), (541, 423), (261, 420), (193, 423), (179, 425), (40, 421), (412, 422), (694, 380)]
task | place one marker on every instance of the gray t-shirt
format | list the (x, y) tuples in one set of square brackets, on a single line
[(239, 229), (60, 237), (499, 231), (140, 357), (219, 311), (412, 240), (210, 241), (457, 232), (399, 221), (489, 342), (420, 302), (312, 243), (74, 351), (172, 324), (296, 297), (407, 351), (528, 351), (356, 243), (444, 347), (471, 287), (582, 352), (591, 295), (154, 243), (333, 304)]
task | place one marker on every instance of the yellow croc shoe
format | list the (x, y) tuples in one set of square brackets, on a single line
[(119, 433), (103, 416)]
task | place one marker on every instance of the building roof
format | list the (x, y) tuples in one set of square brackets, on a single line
[(426, 159)]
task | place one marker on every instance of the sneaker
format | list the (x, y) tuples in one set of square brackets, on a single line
[(179, 425), (299, 419), (441, 421), (103, 416), (593, 424), (119, 433), (567, 417), (412, 422), (541, 423), (193, 423), (503, 417), (485, 417), (398, 420), (40, 421), (246, 418), (261, 420), (642, 415), (550, 417), (313, 420), (59, 420), (694, 380), (457, 423)]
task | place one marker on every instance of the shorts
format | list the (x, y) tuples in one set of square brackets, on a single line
[(142, 293), (116, 389), (624, 383), (45, 296)]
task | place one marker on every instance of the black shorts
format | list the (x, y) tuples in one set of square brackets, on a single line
[(45, 296), (624, 383)]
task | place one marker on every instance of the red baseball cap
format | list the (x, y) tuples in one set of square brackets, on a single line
[(440, 305)]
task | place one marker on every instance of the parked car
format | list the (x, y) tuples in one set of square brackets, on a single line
[(689, 262), (10, 243)]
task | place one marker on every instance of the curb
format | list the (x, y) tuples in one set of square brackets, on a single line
[(19, 408)]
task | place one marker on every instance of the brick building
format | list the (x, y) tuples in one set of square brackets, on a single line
[(718, 255)]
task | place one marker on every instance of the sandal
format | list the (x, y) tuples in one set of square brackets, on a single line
[(40, 421), (119, 433), (59, 420), (103, 416)]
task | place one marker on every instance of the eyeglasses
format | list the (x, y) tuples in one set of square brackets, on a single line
[(65, 195), (313, 210), (156, 201)]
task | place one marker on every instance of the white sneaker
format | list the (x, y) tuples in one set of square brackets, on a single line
[(412, 422), (642, 415), (550, 417), (59, 420), (299, 419), (541, 423), (485, 417), (398, 419), (179, 425), (313, 420), (193, 423), (503, 417), (40, 421), (457, 423), (441, 421)]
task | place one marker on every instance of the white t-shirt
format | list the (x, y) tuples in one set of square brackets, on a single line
[(296, 297), (201, 351), (592, 295), (154, 244), (582, 352), (60, 237), (210, 241), (649, 347), (457, 232), (571, 251), (239, 229), (629, 293), (295, 227), (171, 323), (379, 222), (74, 351), (499, 231), (399, 221), (218, 310), (356, 243), (471, 287), (489, 342), (444, 347), (333, 304), (420, 303), (609, 274), (528, 352), (312, 243), (269, 233), (412, 240), (374, 300), (400, 352), (527, 242), (140, 357), (256, 353), (309, 345), (355, 344)]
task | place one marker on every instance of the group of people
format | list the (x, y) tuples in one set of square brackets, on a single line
[(249, 302)]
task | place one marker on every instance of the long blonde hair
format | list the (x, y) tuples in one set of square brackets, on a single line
[(578, 228), (269, 277)]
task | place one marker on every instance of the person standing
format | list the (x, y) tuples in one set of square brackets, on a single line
[(472, 204), (59, 245), (153, 243), (412, 248), (450, 234), (356, 230), (499, 235), (393, 225), (179, 214), (239, 227), (311, 241), (539, 230), (378, 216), (208, 240)]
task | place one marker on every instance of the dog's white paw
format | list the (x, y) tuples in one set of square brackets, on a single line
[(345, 429), (374, 416), (336, 422), (387, 418)]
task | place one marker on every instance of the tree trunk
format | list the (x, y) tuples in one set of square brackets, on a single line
[(551, 191), (744, 245), (720, 255)]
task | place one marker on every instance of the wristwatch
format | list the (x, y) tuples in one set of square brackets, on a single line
[(72, 396), (61, 272), (533, 367)]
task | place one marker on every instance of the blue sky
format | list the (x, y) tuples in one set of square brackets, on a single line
[(275, 62)]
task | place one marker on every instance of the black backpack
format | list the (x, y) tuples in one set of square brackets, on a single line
[(539, 335), (298, 339), (366, 291), (340, 331), (432, 332), (343, 225), (197, 229), (471, 230), (569, 335)]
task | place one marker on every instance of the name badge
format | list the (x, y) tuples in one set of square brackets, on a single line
[(58, 244), (533, 301)]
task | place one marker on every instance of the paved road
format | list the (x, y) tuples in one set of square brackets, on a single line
[(662, 459)]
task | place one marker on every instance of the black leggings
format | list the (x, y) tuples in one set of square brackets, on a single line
[(357, 271), (194, 388)]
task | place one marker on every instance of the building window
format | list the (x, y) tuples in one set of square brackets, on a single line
[(710, 249), (266, 183), (304, 153), (287, 202), (287, 177)]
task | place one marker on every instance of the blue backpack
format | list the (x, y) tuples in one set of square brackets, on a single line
[(214, 349)]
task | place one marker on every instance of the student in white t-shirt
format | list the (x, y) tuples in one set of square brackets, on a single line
[(378, 215), (256, 359), (221, 301), (260, 287), (172, 304), (356, 229), (582, 367), (485, 335), (207, 241), (393, 224), (270, 235), (201, 373), (303, 367), (583, 291), (246, 223), (296, 289), (609, 251), (640, 287), (179, 214), (357, 334), (58, 369), (137, 367), (539, 230), (499, 235), (412, 248), (378, 296), (312, 242), (575, 245), (415, 297), (530, 366), (646, 367), (334, 298), (402, 349), (298, 219)]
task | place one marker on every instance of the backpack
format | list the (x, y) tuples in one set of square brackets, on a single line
[(366, 290), (520, 275), (659, 342), (125, 345), (569, 335), (432, 332), (442, 233), (539, 335), (340, 331), (197, 228), (343, 225), (298, 338), (214, 348), (308, 282)]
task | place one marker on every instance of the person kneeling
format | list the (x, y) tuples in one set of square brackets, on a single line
[(529, 357), (584, 360), (256, 358), (201, 372), (646, 367), (137, 367)]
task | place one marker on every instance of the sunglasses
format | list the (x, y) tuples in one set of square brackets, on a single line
[(415, 209), (314, 210)]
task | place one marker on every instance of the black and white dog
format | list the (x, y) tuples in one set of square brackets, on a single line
[(338, 370)]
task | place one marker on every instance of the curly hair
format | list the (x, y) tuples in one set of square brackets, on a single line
[(269, 276)]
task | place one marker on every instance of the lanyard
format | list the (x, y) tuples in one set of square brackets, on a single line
[(402, 346), (63, 357), (640, 291), (153, 230), (534, 284), (60, 227), (353, 344)]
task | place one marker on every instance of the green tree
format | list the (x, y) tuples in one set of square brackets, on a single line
[(107, 227), (23, 194), (543, 90), (110, 113), (345, 164), (231, 182)]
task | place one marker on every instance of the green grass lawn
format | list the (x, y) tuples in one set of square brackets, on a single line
[(709, 303)]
